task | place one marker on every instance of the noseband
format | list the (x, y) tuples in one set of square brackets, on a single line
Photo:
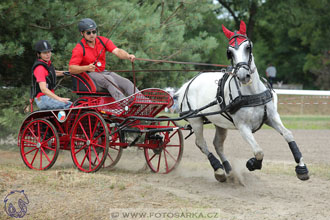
[(245, 65)]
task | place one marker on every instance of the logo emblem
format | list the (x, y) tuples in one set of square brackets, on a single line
[(98, 64), (61, 116), (15, 204)]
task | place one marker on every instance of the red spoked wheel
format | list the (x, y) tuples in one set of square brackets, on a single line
[(89, 142), (115, 151), (165, 148), (39, 144)]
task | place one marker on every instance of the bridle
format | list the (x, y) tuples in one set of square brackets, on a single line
[(244, 65)]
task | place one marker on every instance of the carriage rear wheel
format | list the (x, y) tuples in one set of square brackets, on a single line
[(39, 144), (89, 142), (168, 153), (115, 151)]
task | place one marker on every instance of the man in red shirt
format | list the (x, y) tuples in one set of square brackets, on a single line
[(44, 79), (89, 56)]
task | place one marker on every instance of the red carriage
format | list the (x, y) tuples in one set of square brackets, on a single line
[(96, 129)]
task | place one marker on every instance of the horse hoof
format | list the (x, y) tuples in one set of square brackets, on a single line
[(254, 164), (220, 175), (302, 172)]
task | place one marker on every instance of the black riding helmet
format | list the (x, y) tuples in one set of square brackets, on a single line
[(86, 24), (43, 46)]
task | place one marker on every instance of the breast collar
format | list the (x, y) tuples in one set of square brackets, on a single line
[(241, 101)]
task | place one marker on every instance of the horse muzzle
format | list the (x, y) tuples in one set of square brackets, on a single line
[(247, 81), (243, 73)]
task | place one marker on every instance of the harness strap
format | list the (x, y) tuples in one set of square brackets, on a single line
[(82, 45), (264, 119), (238, 90), (250, 101), (220, 96)]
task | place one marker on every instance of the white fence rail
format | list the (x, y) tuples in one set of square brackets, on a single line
[(302, 92)]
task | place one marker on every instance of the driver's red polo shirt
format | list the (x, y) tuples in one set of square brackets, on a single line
[(91, 54)]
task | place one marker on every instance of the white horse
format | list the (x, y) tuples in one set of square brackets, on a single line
[(243, 103)]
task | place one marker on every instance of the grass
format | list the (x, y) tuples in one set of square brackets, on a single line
[(313, 122), (306, 121), (287, 169), (70, 194)]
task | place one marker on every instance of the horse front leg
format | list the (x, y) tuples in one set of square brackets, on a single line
[(276, 123), (255, 163), (197, 126)]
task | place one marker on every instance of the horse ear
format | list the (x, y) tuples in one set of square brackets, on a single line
[(227, 32), (242, 28)]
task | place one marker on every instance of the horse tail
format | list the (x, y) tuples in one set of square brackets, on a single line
[(180, 94)]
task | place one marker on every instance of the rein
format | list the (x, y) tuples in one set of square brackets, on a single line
[(179, 62), (171, 61)]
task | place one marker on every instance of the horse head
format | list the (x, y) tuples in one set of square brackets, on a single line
[(239, 51)]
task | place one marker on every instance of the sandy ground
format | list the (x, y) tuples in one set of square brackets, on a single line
[(272, 193)]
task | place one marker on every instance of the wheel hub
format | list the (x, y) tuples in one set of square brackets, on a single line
[(157, 150), (38, 145), (157, 139), (88, 142)]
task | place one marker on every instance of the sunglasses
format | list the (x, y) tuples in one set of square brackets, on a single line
[(90, 32)]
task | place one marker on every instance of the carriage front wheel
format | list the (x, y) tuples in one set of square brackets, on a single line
[(39, 144), (166, 148), (89, 142)]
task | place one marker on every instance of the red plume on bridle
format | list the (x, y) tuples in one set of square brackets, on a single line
[(239, 39)]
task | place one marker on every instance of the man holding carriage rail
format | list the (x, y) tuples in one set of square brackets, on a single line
[(44, 79), (89, 56)]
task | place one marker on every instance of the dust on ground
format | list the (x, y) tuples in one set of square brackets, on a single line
[(272, 193)]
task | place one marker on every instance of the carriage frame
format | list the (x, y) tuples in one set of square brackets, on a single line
[(96, 131)]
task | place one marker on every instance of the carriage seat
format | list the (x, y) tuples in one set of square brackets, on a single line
[(83, 84)]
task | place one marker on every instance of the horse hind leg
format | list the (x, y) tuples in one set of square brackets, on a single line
[(218, 142), (301, 168), (197, 125)]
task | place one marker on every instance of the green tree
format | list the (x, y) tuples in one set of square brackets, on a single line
[(148, 29), (292, 33), (313, 30), (154, 29), (238, 10), (159, 29), (286, 33)]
